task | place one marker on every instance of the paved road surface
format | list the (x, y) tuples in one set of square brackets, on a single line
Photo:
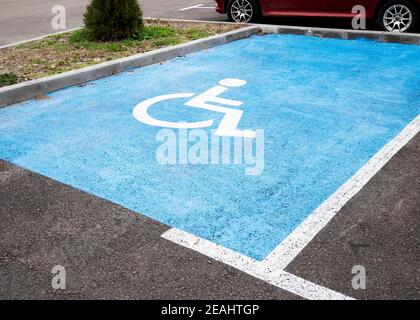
[(26, 19), (111, 252)]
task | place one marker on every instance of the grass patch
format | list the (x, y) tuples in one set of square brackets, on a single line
[(155, 35), (8, 79), (155, 32), (73, 50), (196, 33)]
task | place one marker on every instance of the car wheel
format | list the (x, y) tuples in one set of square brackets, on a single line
[(243, 11), (398, 16)]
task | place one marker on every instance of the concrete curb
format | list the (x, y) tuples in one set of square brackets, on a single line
[(30, 89), (347, 34), (27, 90)]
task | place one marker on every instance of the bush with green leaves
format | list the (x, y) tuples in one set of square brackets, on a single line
[(108, 20)]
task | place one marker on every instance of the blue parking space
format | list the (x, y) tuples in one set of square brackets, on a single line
[(323, 108)]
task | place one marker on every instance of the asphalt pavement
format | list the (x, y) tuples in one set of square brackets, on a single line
[(111, 252), (27, 19)]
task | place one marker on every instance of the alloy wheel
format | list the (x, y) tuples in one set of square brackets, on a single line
[(397, 18), (241, 11)]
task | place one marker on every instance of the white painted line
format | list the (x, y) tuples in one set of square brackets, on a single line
[(286, 251), (197, 6), (276, 277), (271, 269)]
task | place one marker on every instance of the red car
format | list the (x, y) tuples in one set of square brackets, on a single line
[(391, 15)]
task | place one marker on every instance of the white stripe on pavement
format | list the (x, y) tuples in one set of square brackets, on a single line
[(197, 6), (271, 269), (273, 276)]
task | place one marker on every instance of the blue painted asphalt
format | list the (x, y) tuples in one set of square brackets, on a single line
[(326, 107)]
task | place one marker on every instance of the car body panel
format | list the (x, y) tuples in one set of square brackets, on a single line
[(312, 8)]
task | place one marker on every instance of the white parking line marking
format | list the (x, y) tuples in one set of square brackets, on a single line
[(315, 222), (274, 276), (197, 6), (271, 269)]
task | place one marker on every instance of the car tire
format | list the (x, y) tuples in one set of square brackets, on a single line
[(243, 11), (398, 16)]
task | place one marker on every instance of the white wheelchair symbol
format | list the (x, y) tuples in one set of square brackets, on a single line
[(228, 126)]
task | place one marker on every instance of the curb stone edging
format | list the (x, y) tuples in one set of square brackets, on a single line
[(347, 34), (30, 89)]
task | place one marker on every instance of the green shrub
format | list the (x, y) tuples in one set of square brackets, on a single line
[(109, 20), (7, 79)]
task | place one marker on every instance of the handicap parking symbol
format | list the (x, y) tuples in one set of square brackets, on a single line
[(207, 100)]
